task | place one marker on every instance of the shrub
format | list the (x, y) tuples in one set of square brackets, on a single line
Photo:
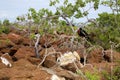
[(114, 76), (92, 76), (6, 22), (103, 35), (108, 19), (4, 29)]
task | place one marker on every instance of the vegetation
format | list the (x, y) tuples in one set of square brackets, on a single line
[(91, 76), (6, 22), (4, 29), (115, 75), (106, 32)]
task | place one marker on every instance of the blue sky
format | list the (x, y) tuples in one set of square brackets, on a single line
[(10, 9)]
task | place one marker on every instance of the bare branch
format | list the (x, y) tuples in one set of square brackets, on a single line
[(36, 45), (47, 54)]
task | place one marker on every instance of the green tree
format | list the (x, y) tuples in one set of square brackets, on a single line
[(115, 7), (113, 4), (75, 9), (6, 22), (21, 18), (41, 15), (106, 32), (108, 19)]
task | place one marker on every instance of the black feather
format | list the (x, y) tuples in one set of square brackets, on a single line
[(83, 33)]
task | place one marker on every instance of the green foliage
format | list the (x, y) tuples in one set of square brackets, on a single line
[(32, 36), (43, 30), (21, 18), (54, 2), (7, 41), (114, 76), (6, 22), (106, 20), (113, 4), (64, 29), (4, 29), (116, 72), (62, 23), (92, 76), (79, 14), (103, 36), (96, 4), (38, 16), (73, 9), (107, 31), (34, 15)]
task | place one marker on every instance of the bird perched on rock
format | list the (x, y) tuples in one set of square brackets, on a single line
[(82, 33)]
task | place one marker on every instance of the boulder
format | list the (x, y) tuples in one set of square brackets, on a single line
[(95, 56), (6, 44), (24, 52), (67, 58), (15, 38)]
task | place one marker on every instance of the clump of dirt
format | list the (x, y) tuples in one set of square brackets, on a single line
[(25, 52), (96, 56)]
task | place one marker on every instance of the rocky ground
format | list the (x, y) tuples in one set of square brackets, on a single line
[(18, 49)]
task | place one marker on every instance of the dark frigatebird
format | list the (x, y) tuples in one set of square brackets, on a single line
[(82, 33)]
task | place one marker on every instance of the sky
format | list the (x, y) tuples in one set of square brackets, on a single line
[(10, 9)]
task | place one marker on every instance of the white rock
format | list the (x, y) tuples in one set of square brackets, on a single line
[(76, 55), (55, 77), (6, 62), (67, 58)]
